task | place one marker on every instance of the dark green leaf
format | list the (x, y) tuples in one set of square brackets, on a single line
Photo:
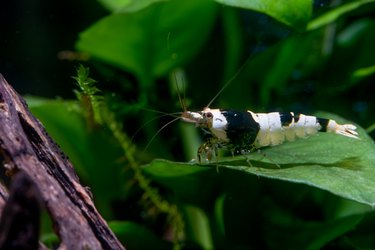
[(135, 236), (151, 42), (190, 182), (364, 72), (127, 5), (114, 5), (327, 232), (336, 13), (311, 235), (273, 70), (292, 13)]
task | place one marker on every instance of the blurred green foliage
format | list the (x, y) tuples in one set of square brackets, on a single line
[(301, 56)]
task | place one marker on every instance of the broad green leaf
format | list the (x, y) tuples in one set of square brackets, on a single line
[(136, 5), (336, 13), (151, 42), (292, 13), (338, 164), (127, 5), (114, 5)]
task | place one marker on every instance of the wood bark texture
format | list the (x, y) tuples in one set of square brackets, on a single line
[(20, 220), (26, 147)]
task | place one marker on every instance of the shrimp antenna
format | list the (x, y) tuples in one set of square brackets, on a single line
[(157, 132), (181, 100), (228, 82), (160, 112), (232, 78), (163, 114), (153, 119)]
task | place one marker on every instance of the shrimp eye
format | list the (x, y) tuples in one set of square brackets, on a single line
[(209, 115)]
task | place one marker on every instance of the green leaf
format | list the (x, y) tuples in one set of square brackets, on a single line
[(273, 70), (311, 235), (197, 226), (135, 236), (338, 164), (324, 233), (289, 54), (371, 128), (151, 42), (127, 5), (291, 12), (336, 13), (355, 45), (114, 5), (200, 180), (364, 72)]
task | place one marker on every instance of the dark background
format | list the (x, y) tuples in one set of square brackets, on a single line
[(32, 33)]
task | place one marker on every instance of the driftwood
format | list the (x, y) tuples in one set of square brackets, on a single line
[(26, 147), (20, 225)]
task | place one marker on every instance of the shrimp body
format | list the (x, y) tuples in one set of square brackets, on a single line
[(245, 131)]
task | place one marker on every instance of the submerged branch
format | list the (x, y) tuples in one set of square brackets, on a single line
[(26, 147)]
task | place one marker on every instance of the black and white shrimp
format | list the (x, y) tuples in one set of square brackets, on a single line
[(243, 132)]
